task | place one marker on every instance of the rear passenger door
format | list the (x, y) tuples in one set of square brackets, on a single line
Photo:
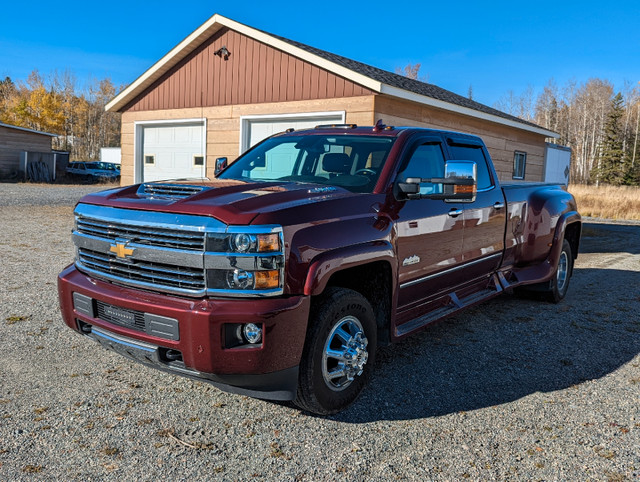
[(485, 218)]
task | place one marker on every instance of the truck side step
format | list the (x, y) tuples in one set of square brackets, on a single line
[(455, 305)]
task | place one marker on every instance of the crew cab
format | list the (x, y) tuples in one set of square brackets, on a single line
[(279, 278)]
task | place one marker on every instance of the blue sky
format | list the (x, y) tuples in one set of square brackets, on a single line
[(493, 46)]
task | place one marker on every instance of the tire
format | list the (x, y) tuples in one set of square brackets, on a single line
[(334, 369), (559, 284), (556, 288)]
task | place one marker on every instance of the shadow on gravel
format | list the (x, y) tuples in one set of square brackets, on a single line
[(610, 238), (506, 349)]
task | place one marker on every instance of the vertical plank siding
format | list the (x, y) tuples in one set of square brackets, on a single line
[(255, 73), (13, 142)]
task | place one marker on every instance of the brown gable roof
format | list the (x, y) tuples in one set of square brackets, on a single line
[(255, 73), (405, 83), (372, 78)]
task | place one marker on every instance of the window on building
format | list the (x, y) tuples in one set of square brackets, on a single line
[(149, 159), (519, 164), (198, 160)]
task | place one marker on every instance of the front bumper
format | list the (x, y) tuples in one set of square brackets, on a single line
[(268, 370)]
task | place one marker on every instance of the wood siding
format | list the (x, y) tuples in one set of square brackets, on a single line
[(255, 73), (502, 141), (13, 142), (223, 124)]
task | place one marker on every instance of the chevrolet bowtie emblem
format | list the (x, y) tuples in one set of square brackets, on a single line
[(120, 248)]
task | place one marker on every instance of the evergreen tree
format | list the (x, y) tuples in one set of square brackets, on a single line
[(610, 167), (632, 152)]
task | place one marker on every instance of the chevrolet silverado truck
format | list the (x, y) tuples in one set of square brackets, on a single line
[(280, 277)]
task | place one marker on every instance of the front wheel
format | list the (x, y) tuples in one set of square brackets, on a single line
[(339, 352)]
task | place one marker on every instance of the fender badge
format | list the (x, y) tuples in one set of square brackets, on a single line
[(415, 259)]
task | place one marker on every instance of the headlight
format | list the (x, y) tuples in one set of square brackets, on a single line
[(243, 242), (245, 261)]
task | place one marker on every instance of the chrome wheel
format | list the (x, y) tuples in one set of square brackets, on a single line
[(345, 353), (563, 272)]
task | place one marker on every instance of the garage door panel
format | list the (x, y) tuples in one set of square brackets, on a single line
[(174, 147), (260, 129), (164, 160)]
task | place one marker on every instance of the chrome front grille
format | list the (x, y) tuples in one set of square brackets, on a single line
[(173, 253), (150, 236), (159, 274), (149, 250)]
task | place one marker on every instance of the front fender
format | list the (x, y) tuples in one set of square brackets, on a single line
[(329, 262)]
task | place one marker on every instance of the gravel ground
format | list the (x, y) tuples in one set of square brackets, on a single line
[(513, 389)]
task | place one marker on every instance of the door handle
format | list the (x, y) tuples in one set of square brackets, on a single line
[(455, 212), (498, 205)]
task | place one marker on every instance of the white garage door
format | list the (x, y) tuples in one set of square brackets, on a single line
[(257, 129), (173, 151)]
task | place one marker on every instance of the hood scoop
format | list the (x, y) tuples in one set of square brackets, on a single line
[(168, 191)]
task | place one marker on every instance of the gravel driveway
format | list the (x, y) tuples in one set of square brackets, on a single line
[(513, 389)]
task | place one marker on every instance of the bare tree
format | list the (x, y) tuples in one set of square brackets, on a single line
[(412, 71)]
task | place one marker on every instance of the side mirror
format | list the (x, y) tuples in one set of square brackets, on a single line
[(461, 180), (458, 184), (221, 165), (410, 187)]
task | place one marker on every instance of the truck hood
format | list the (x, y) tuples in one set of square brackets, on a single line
[(230, 201)]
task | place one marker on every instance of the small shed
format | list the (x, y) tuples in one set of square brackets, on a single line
[(227, 86), (14, 142), (557, 164), (112, 155)]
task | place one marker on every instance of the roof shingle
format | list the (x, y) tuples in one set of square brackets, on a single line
[(405, 83)]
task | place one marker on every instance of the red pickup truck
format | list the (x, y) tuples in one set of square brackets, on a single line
[(279, 278)]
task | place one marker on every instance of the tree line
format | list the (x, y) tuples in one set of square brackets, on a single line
[(599, 124), (59, 105)]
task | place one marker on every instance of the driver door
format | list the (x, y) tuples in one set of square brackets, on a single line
[(429, 235)]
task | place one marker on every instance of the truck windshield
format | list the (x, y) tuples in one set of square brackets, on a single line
[(351, 162)]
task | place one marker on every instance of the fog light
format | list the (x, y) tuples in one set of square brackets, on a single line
[(252, 333)]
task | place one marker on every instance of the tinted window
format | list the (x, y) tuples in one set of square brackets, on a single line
[(352, 162), (474, 153), (426, 162)]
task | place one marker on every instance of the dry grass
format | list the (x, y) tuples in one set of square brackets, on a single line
[(610, 202)]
